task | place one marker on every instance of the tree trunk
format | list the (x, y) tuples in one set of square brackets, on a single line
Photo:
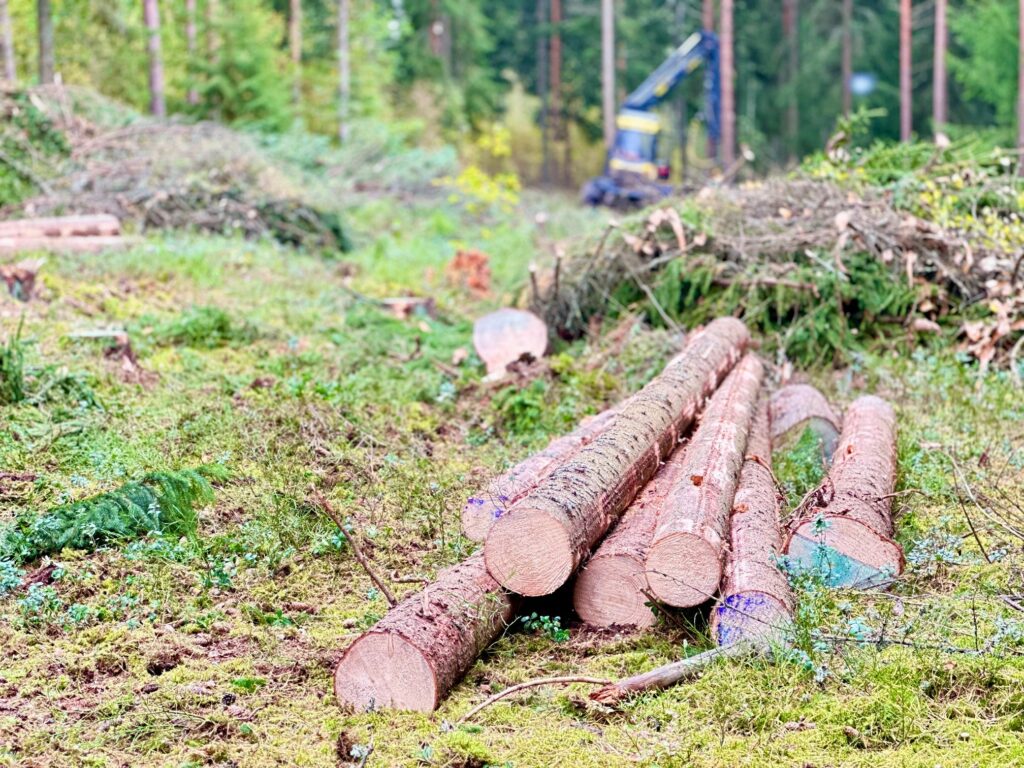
[(295, 45), (847, 63), (88, 225), (845, 528), (790, 31), (7, 42), (707, 15), (212, 20), (756, 603), (906, 97), (728, 88), (45, 28), (344, 71), (798, 407), (537, 546), (555, 115), (684, 562), (417, 653), (542, 92), (611, 589), (939, 92), (190, 46), (608, 70), (501, 494), (151, 15)]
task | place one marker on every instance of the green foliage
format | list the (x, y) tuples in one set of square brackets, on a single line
[(204, 328), (521, 409), (30, 145), (551, 626), (10, 577), (801, 467), (12, 369), (161, 502), (986, 64)]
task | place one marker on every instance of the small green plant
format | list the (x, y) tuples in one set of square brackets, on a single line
[(521, 409), (546, 625), (203, 328), (248, 684), (10, 577), (12, 369), (801, 467), (40, 606)]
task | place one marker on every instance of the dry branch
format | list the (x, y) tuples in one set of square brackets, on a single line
[(531, 684)]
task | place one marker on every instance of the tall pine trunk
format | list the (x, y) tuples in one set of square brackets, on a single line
[(707, 15), (847, 64), (906, 104), (45, 27), (608, 69), (7, 41), (190, 47), (151, 16), (790, 34), (728, 88), (939, 71), (542, 92), (295, 44), (555, 115), (344, 71)]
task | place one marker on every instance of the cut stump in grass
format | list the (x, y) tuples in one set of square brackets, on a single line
[(611, 589), (798, 407), (416, 654), (756, 603), (537, 546), (684, 561), (86, 225), (844, 528), (502, 337), (482, 509)]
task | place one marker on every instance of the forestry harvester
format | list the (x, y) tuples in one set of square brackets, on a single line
[(634, 173)]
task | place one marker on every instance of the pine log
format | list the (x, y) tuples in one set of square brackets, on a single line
[(482, 509), (756, 602), (11, 245), (798, 407), (611, 589), (416, 654), (684, 561), (89, 225), (538, 545), (844, 529)]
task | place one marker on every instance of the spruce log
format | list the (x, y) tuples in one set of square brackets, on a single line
[(611, 589), (537, 546), (11, 245), (757, 602), (88, 225), (844, 529), (798, 407), (416, 654), (684, 561), (484, 508)]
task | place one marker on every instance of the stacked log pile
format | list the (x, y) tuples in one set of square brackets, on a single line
[(666, 500), (61, 234)]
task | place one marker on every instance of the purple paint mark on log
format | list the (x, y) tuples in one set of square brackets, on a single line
[(743, 615)]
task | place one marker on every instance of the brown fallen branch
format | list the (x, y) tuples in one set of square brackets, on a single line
[(482, 509), (416, 654), (684, 561), (537, 546), (845, 526), (531, 684), (321, 502), (798, 407)]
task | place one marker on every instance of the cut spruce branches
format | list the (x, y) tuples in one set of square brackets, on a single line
[(160, 502)]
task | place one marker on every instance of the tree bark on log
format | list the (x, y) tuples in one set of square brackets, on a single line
[(62, 226), (844, 528), (537, 546), (416, 654), (11, 245), (483, 509), (757, 603), (798, 407), (611, 589), (684, 562)]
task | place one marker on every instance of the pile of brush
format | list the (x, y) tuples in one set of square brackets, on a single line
[(666, 500)]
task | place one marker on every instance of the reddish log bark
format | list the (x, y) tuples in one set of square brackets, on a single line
[(417, 653), (798, 407), (483, 509), (612, 589), (845, 527), (62, 226), (684, 562), (536, 547), (62, 244), (756, 603)]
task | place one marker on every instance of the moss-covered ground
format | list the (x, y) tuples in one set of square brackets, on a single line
[(218, 649)]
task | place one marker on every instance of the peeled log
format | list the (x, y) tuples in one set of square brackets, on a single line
[(756, 603), (684, 562), (482, 510), (845, 533), (536, 547), (798, 407), (91, 225), (417, 653), (9, 245)]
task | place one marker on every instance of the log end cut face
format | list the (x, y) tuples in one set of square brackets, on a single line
[(683, 569), (750, 617), (610, 592), (385, 671), (479, 515), (529, 552), (845, 552)]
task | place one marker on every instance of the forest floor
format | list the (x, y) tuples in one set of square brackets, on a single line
[(219, 650)]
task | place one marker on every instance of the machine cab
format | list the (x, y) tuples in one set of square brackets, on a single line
[(635, 152)]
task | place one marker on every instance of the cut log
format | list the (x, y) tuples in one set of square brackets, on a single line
[(97, 225), (611, 589), (505, 336), (538, 545), (482, 509), (757, 603), (844, 529), (9, 245), (798, 407), (684, 561), (417, 653)]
